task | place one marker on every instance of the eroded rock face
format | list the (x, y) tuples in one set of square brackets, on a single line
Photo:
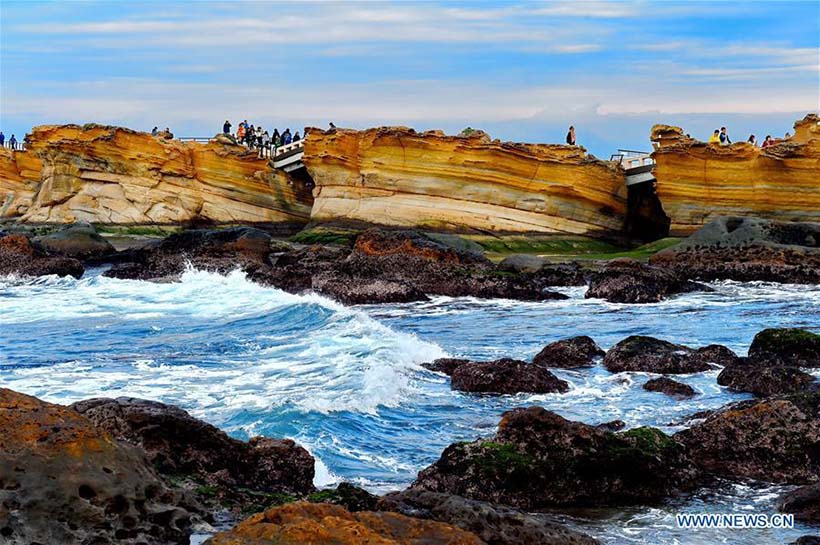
[(80, 241), (495, 524), (698, 182), (324, 524), (774, 440), (569, 353), (650, 355), (669, 387), (113, 175), (748, 249), (396, 176), (18, 256), (630, 281), (539, 459), (236, 473), (505, 376), (65, 480)]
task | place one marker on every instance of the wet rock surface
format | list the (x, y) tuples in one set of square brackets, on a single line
[(786, 346), (748, 249), (669, 387), (505, 376), (754, 377), (80, 241), (324, 524), (64, 480), (630, 281), (569, 353), (803, 503), (773, 440), (539, 459), (495, 524), (651, 355), (18, 256), (237, 474), (445, 365)]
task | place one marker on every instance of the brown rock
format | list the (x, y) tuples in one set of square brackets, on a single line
[(650, 355), (669, 387), (17, 256), (505, 376), (629, 281), (569, 353)]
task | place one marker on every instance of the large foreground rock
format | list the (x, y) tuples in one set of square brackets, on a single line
[(754, 377), (506, 376), (495, 524), (238, 474), (539, 459), (17, 256), (569, 353), (748, 249), (651, 355), (80, 241), (324, 524), (65, 481), (630, 281), (774, 440), (786, 346)]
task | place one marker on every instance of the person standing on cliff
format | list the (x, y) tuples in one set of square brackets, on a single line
[(767, 141), (226, 128), (752, 140), (715, 138), (286, 137), (155, 131), (724, 137), (571, 136), (2, 139), (13, 142)]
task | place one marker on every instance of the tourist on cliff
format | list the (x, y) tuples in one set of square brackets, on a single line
[(276, 138), (265, 147), (788, 136), (715, 138), (240, 133), (250, 134), (724, 137), (13, 142), (286, 137), (226, 128), (752, 140), (155, 131), (332, 126), (767, 141), (571, 136), (296, 137), (2, 139), (259, 134)]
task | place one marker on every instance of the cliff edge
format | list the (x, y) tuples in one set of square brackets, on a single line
[(396, 176)]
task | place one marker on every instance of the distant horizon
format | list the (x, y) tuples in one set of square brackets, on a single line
[(521, 71)]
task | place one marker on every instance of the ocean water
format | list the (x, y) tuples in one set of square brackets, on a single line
[(347, 382)]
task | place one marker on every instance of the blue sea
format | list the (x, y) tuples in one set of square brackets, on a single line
[(346, 382)]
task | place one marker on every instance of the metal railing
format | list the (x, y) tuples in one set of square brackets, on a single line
[(632, 158), (280, 150)]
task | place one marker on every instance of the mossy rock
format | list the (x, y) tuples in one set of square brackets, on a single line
[(787, 346), (323, 235)]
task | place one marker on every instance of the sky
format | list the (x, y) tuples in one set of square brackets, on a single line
[(521, 71)]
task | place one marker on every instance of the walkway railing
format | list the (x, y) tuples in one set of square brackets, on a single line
[(632, 159), (281, 150)]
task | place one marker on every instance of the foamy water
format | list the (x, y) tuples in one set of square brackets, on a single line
[(346, 382)]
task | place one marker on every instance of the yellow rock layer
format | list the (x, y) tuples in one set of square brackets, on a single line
[(396, 176), (698, 182), (112, 175)]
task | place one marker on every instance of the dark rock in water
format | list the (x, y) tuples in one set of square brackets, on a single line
[(495, 524), (80, 241), (669, 387), (803, 503), (786, 346), (807, 540), (748, 249), (521, 263), (63, 480), (445, 365), (630, 281), (539, 459), (614, 425), (18, 256), (232, 471), (775, 440), (304, 523), (748, 375), (569, 353), (349, 496), (561, 274), (356, 291), (714, 354), (219, 251), (505, 376), (650, 355)]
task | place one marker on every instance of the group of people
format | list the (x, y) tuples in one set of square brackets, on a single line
[(259, 138), (166, 134), (12, 141), (720, 136)]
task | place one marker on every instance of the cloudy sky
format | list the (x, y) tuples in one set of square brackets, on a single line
[(522, 71)]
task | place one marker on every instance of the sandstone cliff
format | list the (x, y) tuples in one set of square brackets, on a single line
[(396, 176), (698, 182), (112, 175)]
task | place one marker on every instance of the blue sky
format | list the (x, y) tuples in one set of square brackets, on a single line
[(522, 71)]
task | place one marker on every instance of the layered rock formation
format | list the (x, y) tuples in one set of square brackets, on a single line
[(698, 181), (396, 176), (112, 175)]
